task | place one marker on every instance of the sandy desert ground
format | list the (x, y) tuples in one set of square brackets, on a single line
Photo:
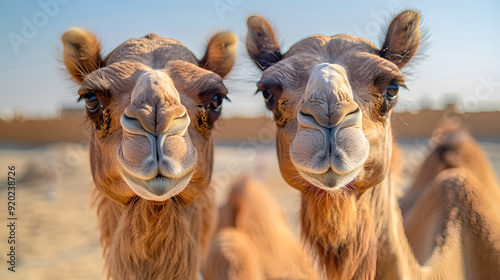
[(56, 227)]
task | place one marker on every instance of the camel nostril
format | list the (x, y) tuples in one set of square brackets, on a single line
[(338, 119), (306, 115), (171, 120), (180, 116), (132, 124), (353, 112), (346, 117), (307, 120)]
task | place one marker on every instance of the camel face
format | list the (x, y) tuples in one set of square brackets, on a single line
[(329, 130), (332, 97), (151, 105), (156, 153)]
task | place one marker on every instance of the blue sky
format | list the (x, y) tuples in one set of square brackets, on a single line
[(462, 59)]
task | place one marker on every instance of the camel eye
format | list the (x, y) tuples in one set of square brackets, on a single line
[(216, 102), (267, 94), (91, 102), (392, 91)]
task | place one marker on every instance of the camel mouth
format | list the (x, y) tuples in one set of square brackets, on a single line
[(330, 181), (158, 188)]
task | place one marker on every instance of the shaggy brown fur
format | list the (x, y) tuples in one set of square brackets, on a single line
[(342, 234), (254, 240), (149, 89), (149, 236), (135, 238)]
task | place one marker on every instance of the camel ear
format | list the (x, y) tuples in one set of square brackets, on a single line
[(82, 53), (220, 54), (262, 45), (402, 39)]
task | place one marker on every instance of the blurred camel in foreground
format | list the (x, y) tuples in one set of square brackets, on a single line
[(456, 189), (332, 99), (254, 240)]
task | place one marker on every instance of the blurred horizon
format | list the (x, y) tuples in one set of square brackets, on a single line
[(459, 64)]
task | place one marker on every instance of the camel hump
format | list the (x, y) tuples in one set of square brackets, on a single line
[(232, 257), (254, 234), (151, 36), (250, 200), (450, 140)]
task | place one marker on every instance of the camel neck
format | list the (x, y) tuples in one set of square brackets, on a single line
[(358, 237), (395, 256), (341, 232), (156, 241)]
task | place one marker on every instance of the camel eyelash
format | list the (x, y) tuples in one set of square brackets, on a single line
[(87, 92), (399, 82), (403, 85), (220, 97), (80, 98)]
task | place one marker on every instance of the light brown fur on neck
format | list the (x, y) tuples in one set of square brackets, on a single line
[(341, 231)]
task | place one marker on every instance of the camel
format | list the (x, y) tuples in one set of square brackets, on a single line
[(254, 240), (332, 100), (150, 107), (455, 150)]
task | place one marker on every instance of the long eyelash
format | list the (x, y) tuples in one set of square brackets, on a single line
[(400, 83), (81, 97), (223, 98)]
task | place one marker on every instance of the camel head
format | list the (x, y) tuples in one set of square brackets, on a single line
[(151, 105), (332, 98)]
